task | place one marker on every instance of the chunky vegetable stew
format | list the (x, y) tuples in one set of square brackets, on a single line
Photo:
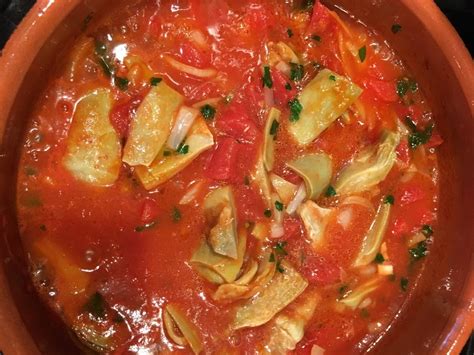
[(228, 177)]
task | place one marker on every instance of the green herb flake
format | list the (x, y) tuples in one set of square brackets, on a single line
[(343, 289), (267, 213), (96, 306), (166, 153), (121, 83), (279, 206), (332, 77), (86, 21), (279, 268), (396, 28), (267, 77), (317, 65), (295, 109), (419, 251), (154, 81), (296, 72), (404, 284), (406, 84), (307, 4), (330, 191), (289, 32), (389, 199), (364, 313), (427, 230), (362, 53), (176, 214), (379, 259), (418, 138), (118, 319), (208, 112), (288, 86), (43, 228), (32, 201), (100, 48), (30, 171), (316, 38), (183, 149), (272, 258), (274, 127), (280, 248), (145, 227), (104, 60)]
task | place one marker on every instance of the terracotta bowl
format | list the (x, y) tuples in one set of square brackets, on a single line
[(437, 318)]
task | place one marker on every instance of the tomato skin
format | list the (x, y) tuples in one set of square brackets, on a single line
[(434, 141), (236, 123), (320, 18), (281, 94), (149, 210), (383, 90), (192, 56), (122, 114), (223, 164)]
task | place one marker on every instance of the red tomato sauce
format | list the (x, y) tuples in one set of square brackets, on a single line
[(109, 259)]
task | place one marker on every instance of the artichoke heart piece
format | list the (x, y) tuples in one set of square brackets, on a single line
[(316, 171), (271, 128), (174, 319), (323, 100), (285, 189), (357, 296), (260, 178), (369, 167), (374, 237), (315, 220), (220, 212), (93, 147), (283, 289), (287, 329), (218, 267), (151, 125), (165, 167)]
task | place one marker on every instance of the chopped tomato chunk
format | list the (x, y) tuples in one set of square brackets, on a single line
[(383, 90), (223, 164), (122, 114), (236, 123), (284, 90), (149, 210)]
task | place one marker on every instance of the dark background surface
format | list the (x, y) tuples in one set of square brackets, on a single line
[(459, 12)]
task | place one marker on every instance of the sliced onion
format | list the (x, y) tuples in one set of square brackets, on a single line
[(198, 38), (344, 218), (297, 200), (268, 96), (188, 69), (277, 231), (317, 350), (192, 193), (283, 67), (385, 269), (358, 200), (184, 121)]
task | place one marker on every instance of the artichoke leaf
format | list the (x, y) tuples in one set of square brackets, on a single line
[(287, 329), (260, 178), (271, 127), (354, 298), (285, 189), (316, 171), (165, 167), (280, 51), (151, 125), (374, 237), (220, 212), (283, 289), (369, 167), (323, 100), (315, 220), (226, 268), (93, 147), (175, 318)]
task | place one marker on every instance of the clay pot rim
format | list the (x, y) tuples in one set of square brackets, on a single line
[(45, 16)]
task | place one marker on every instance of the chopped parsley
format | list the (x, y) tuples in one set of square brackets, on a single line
[(208, 112), (362, 53), (419, 251), (364, 313), (330, 191), (379, 259), (396, 28), (86, 21), (289, 32), (183, 148), (154, 81), (104, 59), (307, 4), (279, 268), (278, 254), (280, 248), (267, 77), (316, 38), (295, 109), (406, 84), (121, 83), (389, 199), (176, 214), (30, 171), (267, 213), (288, 86), (272, 258), (332, 77), (279, 206), (427, 230), (145, 227), (274, 128), (418, 137), (343, 289), (297, 72), (404, 284), (96, 306), (166, 153)]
